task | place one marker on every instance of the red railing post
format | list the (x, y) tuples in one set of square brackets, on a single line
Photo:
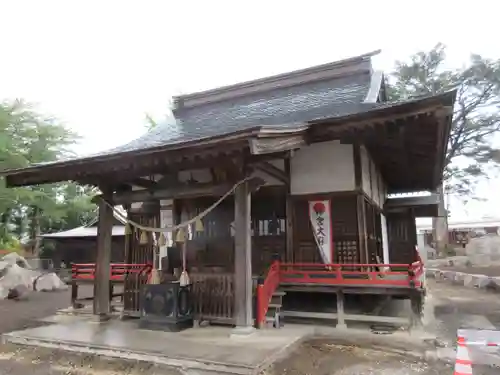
[(265, 289)]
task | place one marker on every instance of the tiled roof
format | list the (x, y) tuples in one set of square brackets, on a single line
[(290, 105)]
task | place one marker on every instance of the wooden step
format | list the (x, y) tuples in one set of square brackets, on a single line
[(271, 322), (279, 293), (276, 300), (275, 306)]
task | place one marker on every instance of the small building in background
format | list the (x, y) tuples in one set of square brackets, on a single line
[(79, 245), (459, 232)]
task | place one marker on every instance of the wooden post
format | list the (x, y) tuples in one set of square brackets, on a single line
[(362, 235), (103, 261), (340, 310), (360, 204), (289, 215), (243, 261)]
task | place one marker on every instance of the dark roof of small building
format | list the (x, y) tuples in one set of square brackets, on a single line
[(90, 230)]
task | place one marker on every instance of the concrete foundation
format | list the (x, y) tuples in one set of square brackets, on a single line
[(197, 350)]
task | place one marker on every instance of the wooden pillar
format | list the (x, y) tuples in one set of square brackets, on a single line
[(362, 230), (243, 260), (340, 310), (289, 215), (103, 261), (360, 204)]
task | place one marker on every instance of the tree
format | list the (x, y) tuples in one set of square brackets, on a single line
[(27, 137), (475, 119)]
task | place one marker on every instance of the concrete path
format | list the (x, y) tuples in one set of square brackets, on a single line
[(205, 350)]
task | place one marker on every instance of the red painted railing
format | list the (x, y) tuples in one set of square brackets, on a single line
[(86, 271), (265, 289), (384, 275), (396, 275)]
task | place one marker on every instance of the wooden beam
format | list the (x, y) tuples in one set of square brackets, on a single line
[(273, 171), (122, 173), (356, 156), (101, 305), (143, 183), (178, 192), (259, 146)]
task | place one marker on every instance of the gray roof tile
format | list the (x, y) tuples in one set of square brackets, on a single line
[(286, 107)]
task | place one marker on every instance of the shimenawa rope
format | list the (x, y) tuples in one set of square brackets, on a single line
[(178, 226)]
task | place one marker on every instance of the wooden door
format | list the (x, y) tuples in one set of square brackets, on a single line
[(402, 236)]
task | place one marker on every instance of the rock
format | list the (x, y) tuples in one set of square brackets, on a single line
[(19, 292), (14, 258), (49, 282), (13, 278), (492, 286)]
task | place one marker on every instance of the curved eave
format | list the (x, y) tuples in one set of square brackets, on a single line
[(407, 140), (67, 170)]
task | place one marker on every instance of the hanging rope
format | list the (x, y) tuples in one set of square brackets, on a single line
[(178, 226)]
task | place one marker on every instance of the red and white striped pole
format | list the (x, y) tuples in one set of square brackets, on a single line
[(463, 363)]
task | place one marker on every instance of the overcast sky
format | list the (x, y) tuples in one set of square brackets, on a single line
[(99, 66)]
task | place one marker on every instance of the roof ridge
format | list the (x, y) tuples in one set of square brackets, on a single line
[(336, 69)]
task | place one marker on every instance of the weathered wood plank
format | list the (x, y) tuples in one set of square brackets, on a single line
[(101, 304), (243, 257), (273, 171)]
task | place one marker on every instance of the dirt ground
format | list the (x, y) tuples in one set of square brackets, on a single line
[(320, 357), (453, 308), (17, 315)]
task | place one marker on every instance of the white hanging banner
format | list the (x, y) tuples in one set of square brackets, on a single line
[(321, 222)]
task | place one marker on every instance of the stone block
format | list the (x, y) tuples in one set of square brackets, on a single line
[(479, 280), (431, 272), (459, 278), (449, 275), (439, 275), (469, 281)]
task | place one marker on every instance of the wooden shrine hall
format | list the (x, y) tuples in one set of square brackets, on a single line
[(309, 157)]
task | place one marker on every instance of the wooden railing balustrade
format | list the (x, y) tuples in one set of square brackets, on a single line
[(213, 297)]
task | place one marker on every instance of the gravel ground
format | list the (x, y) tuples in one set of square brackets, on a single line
[(454, 306)]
